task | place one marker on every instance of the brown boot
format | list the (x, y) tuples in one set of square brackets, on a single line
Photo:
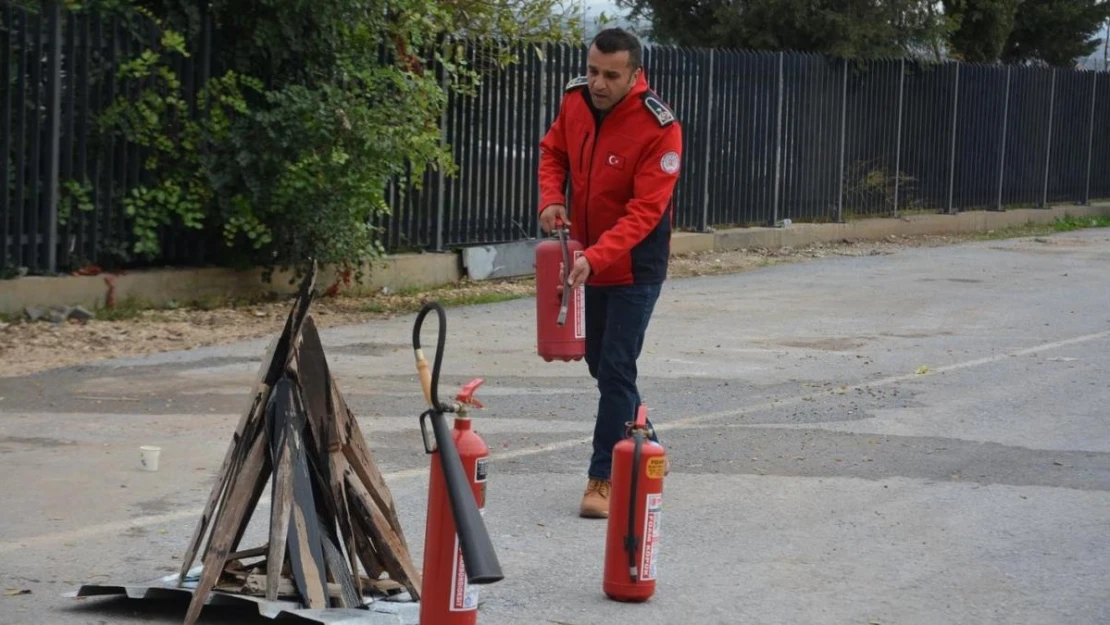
[(595, 503)]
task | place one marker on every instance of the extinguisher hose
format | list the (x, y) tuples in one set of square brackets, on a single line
[(631, 541), (429, 381), (479, 556), (563, 236)]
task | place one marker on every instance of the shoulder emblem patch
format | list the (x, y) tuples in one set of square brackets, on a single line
[(659, 110), (669, 163), (578, 81)]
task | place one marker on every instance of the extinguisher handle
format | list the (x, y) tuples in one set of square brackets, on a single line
[(565, 303)]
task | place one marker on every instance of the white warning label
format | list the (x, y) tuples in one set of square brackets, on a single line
[(464, 597), (579, 296), (650, 550)]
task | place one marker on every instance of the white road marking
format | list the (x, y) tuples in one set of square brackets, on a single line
[(684, 422)]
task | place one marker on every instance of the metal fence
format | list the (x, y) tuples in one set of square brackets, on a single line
[(58, 72), (768, 136), (771, 135)]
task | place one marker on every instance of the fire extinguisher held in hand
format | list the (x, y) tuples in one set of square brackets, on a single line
[(635, 512), (458, 553), (560, 314)]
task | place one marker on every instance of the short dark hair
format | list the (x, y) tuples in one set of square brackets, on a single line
[(613, 40)]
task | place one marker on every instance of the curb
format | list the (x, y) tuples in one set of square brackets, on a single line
[(160, 287)]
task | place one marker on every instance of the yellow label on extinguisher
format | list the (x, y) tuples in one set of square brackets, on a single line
[(656, 467)]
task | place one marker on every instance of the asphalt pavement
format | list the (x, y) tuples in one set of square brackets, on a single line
[(913, 438)]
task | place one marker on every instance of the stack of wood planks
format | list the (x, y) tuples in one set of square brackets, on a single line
[(330, 508)]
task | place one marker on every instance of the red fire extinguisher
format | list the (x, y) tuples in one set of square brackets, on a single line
[(560, 318), (458, 553), (447, 597), (636, 509)]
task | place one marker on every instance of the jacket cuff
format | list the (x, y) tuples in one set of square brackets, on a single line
[(593, 257), (551, 200)]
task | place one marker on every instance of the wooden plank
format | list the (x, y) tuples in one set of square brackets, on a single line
[(305, 552), (337, 469), (362, 462), (218, 494), (253, 552), (225, 525), (282, 419), (339, 572), (317, 392), (315, 382), (383, 585), (367, 555), (260, 483), (391, 549)]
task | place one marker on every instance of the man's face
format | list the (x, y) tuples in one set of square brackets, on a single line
[(610, 77)]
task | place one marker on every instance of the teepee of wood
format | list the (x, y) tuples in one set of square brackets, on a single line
[(330, 508)]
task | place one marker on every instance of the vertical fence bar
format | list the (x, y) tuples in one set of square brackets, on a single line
[(1005, 135), (706, 94), (898, 131), (33, 231), (19, 203), (441, 187), (952, 158), (843, 130), (54, 133), (1048, 147), (7, 22), (1091, 138), (776, 192)]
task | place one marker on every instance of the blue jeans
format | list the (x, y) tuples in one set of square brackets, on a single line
[(616, 320)]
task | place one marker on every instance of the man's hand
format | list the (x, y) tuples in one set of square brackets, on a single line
[(550, 215), (580, 272)]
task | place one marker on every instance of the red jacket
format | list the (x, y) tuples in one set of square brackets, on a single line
[(623, 169)]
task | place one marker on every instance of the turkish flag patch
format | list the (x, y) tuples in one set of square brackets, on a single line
[(615, 160)]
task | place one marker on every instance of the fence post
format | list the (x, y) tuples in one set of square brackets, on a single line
[(843, 132), (952, 156), (778, 144), (707, 127), (441, 182), (1005, 133), (1048, 147), (541, 71), (1091, 137), (898, 138), (54, 131)]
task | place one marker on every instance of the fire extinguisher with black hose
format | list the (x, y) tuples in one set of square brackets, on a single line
[(560, 316), (458, 553), (635, 512)]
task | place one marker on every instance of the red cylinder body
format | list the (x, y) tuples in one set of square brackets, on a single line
[(555, 342), (619, 582), (445, 597)]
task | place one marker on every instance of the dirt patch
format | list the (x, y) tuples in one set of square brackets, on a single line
[(27, 348), (828, 345)]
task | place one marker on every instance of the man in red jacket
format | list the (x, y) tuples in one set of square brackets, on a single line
[(622, 148)]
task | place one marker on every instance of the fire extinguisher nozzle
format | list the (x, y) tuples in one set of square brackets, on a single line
[(562, 320)]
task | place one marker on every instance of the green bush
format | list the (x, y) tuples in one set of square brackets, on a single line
[(316, 108)]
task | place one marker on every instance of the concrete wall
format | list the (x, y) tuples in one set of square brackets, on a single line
[(159, 287)]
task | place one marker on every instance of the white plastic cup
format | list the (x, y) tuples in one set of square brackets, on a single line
[(149, 457)]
